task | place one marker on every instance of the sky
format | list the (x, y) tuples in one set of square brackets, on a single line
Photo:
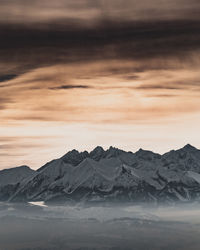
[(77, 74)]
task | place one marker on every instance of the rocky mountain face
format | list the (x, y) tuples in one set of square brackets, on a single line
[(12, 179), (108, 175)]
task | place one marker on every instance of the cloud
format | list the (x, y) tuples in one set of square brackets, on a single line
[(96, 62), (102, 92), (90, 11), (153, 87), (19, 146), (4, 101), (31, 47), (162, 96), (5, 78), (70, 87), (108, 64)]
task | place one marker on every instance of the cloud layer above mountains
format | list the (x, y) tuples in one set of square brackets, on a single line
[(99, 63)]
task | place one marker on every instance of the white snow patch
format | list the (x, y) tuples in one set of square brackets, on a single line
[(38, 203)]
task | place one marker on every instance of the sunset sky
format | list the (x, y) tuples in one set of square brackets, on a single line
[(82, 73)]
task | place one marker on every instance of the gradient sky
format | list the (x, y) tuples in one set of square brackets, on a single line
[(77, 74)]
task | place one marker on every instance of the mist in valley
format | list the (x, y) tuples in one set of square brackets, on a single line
[(36, 225)]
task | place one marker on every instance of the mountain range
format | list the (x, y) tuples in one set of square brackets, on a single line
[(108, 175)]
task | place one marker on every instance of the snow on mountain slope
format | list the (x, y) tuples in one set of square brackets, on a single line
[(114, 174)]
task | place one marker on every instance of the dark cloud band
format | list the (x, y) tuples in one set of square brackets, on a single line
[(70, 87), (33, 47)]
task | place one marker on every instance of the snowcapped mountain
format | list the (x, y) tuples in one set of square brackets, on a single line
[(108, 175)]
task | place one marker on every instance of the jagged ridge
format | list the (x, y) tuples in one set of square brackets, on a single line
[(108, 175)]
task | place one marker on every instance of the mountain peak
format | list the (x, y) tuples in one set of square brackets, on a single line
[(74, 157), (111, 148), (19, 168), (97, 153), (113, 152), (142, 151), (97, 149), (146, 154), (73, 151), (189, 147)]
